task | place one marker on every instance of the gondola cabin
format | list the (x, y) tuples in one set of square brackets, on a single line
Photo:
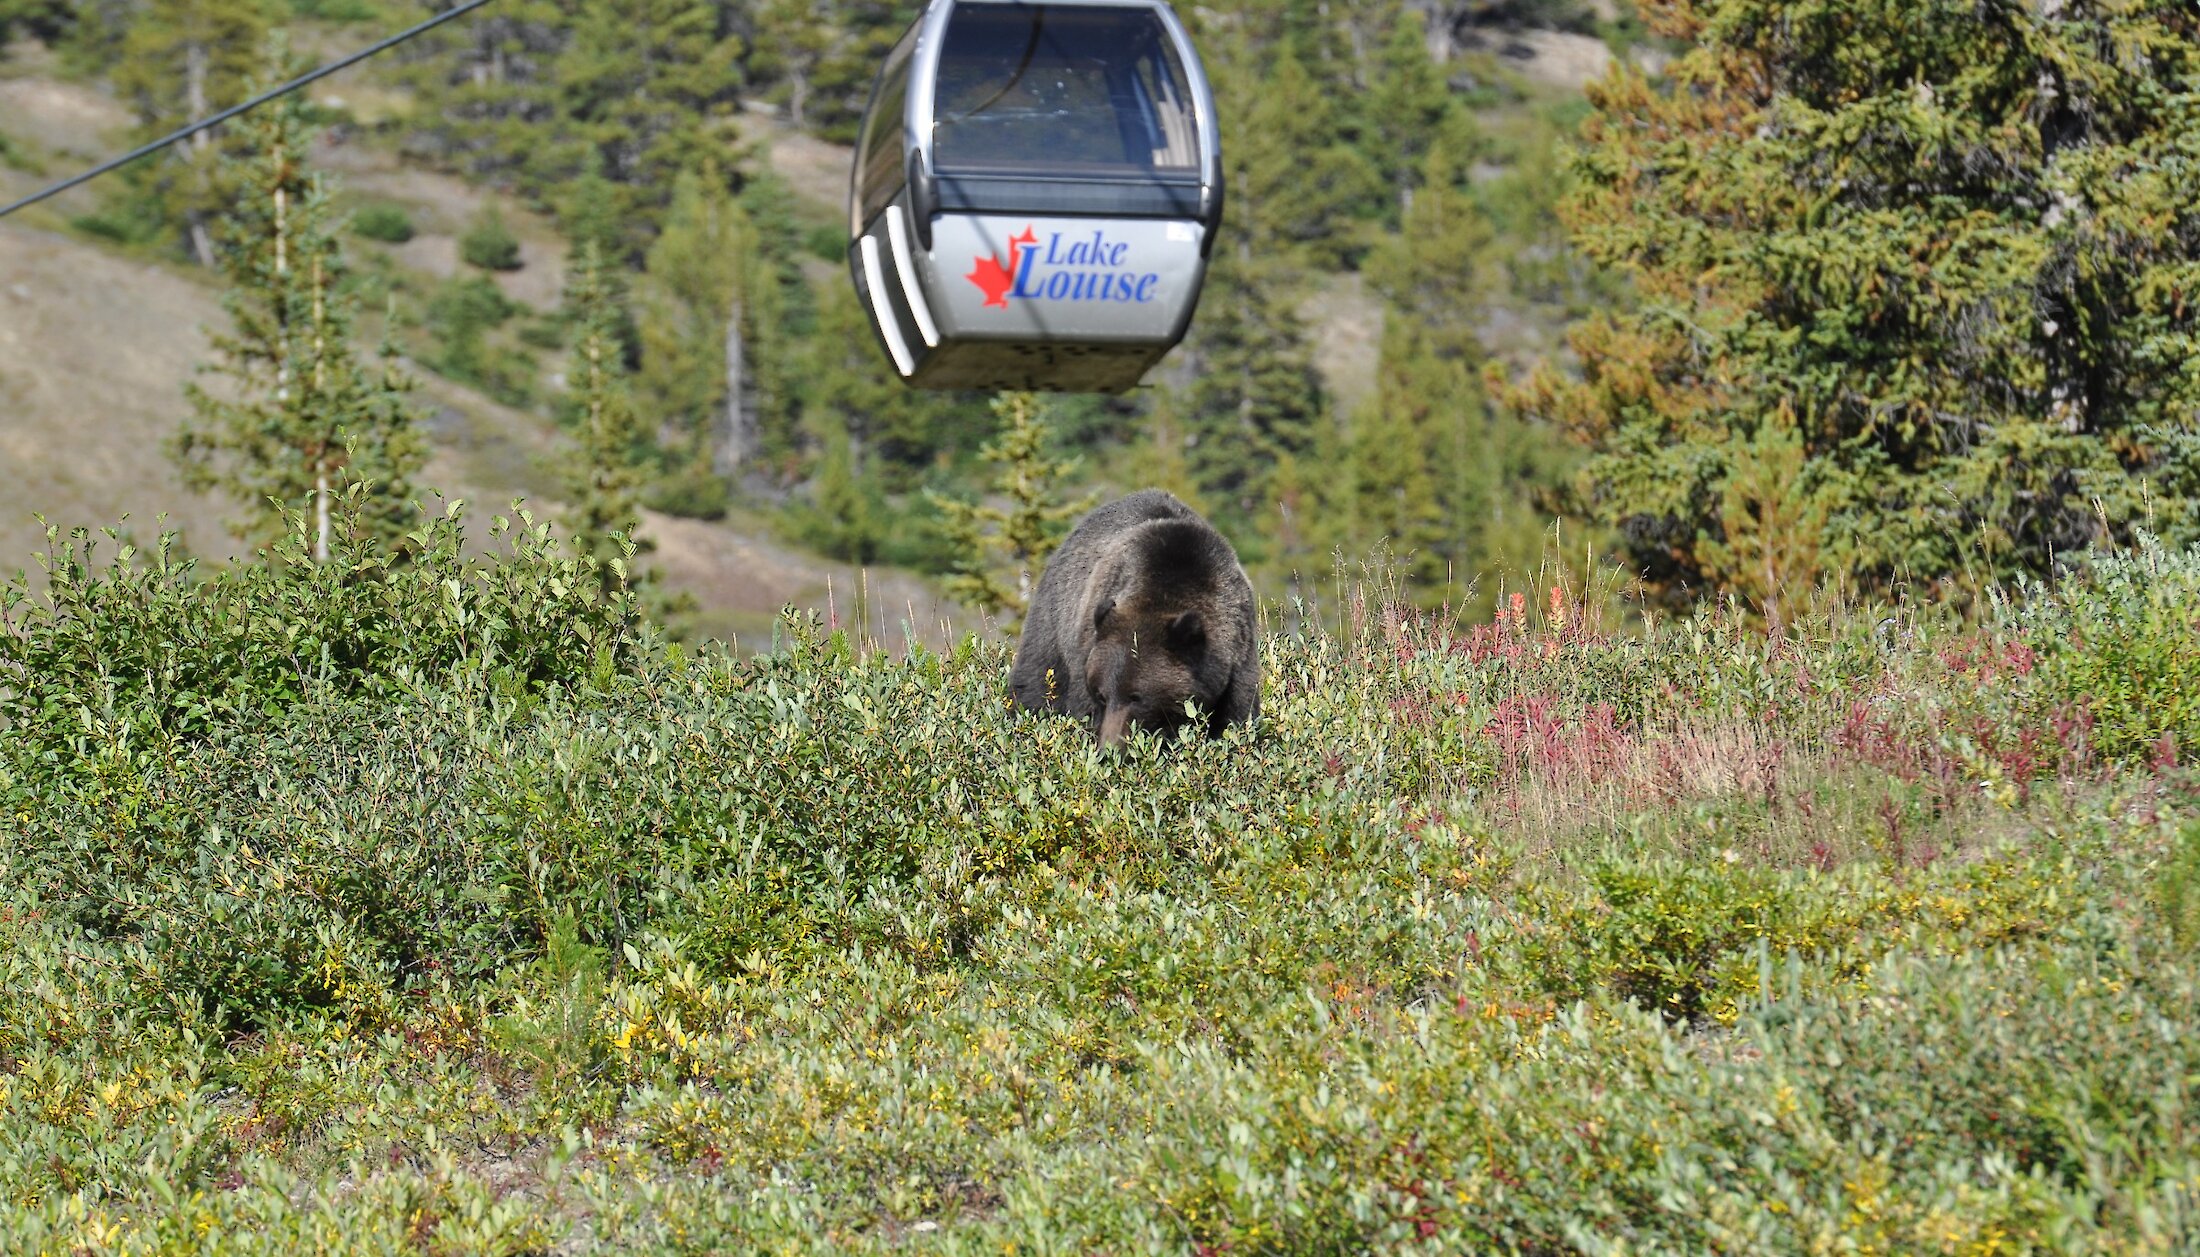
[(1035, 192)]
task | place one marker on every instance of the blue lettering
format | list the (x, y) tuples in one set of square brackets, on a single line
[(1091, 269), (1023, 275)]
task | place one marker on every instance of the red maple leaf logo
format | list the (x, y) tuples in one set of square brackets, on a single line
[(994, 279)]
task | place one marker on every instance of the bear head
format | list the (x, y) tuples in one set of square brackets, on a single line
[(1144, 664)]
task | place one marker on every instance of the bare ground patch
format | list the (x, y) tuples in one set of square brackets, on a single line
[(1345, 321), (94, 352), (441, 208)]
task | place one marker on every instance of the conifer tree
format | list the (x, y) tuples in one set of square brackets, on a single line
[(692, 322), (602, 485), (1019, 536), (1950, 244), (846, 519), (1161, 458), (46, 19), (1391, 483), (1255, 396), (779, 313), (541, 92), (863, 32), (1302, 186), (638, 82), (181, 60), (301, 417), (594, 211), (1409, 111), (790, 47), (898, 431), (1430, 273)]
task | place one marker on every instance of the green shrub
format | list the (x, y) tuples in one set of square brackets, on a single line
[(384, 903), (337, 11), (693, 492), (125, 221), (14, 156), (2177, 890), (2122, 642), (827, 244), (489, 244), (145, 649), (460, 317), (544, 332), (389, 224)]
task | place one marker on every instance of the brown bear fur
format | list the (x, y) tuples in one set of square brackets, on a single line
[(1143, 607)]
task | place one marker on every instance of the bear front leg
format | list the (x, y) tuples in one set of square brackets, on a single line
[(1239, 704)]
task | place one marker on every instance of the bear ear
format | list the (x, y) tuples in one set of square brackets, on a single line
[(1100, 613), (1187, 631)]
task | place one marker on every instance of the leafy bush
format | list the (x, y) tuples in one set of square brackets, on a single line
[(2177, 890), (2122, 641), (827, 243), (387, 223), (124, 221), (489, 244), (15, 157), (461, 315), (326, 921), (145, 647), (337, 11), (693, 492)]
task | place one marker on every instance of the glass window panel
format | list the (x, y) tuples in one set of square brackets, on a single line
[(1062, 88)]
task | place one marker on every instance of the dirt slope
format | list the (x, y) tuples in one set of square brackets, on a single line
[(94, 352)]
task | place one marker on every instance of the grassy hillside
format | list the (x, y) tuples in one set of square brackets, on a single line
[(97, 340), (369, 916)]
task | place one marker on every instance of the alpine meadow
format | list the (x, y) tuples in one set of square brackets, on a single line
[(506, 731)]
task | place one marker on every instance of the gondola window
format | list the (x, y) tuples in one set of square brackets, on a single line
[(1061, 88)]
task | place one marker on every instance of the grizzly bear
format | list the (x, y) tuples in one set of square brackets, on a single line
[(1144, 607)]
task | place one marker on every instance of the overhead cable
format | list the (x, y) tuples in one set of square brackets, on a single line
[(225, 115)]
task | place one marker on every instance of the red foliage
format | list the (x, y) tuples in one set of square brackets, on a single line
[(1533, 737)]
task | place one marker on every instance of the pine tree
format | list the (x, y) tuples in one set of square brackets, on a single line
[(181, 60), (45, 19), (692, 323), (1409, 111), (542, 93), (1771, 523), (790, 47), (638, 84), (601, 482), (301, 417), (1952, 243), (1021, 535), (900, 432), (863, 32), (595, 212), (1430, 273), (1294, 181), (1255, 396), (846, 518), (779, 312), (1391, 488)]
